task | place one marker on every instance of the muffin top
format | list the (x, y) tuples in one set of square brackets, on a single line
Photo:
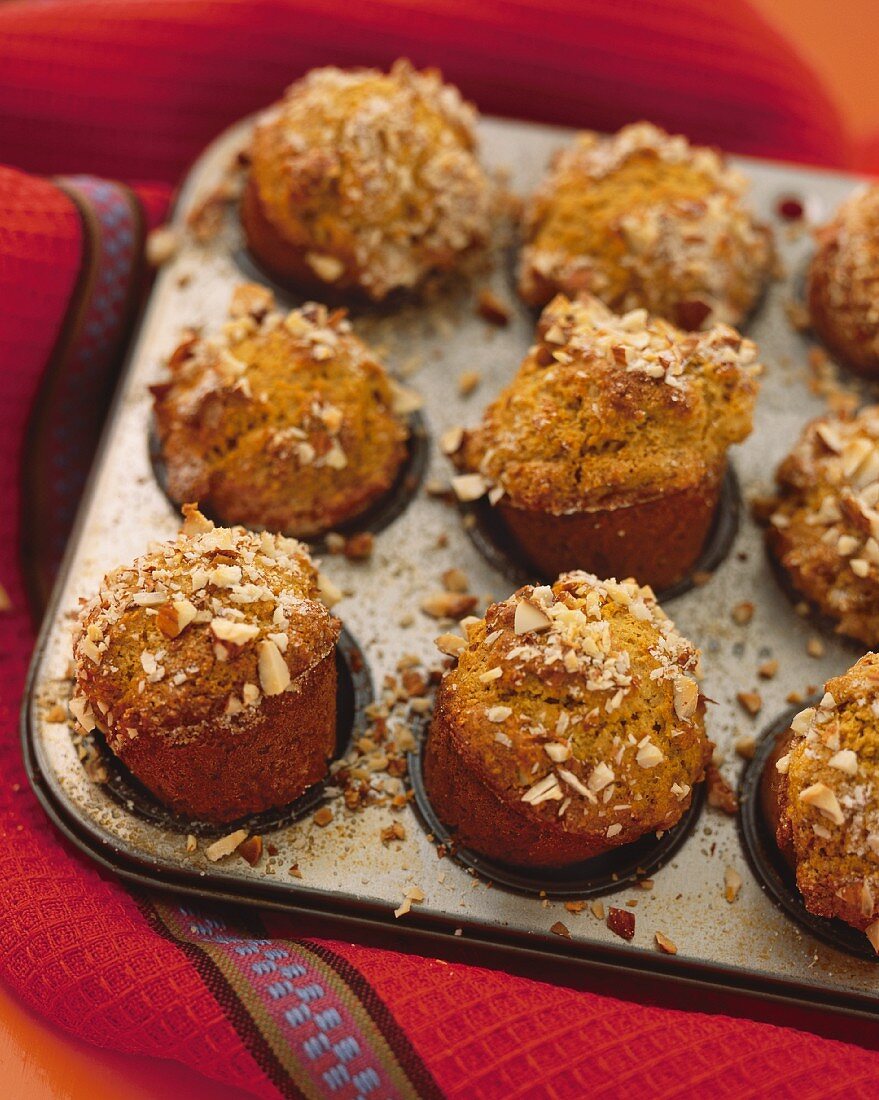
[(843, 276), (832, 797), (642, 218), (281, 421), (374, 174), (612, 410), (576, 698), (825, 523), (198, 631)]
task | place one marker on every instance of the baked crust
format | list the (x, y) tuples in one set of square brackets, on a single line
[(643, 219), (842, 281), (367, 182), (658, 540), (284, 422), (614, 424), (824, 520), (556, 742), (209, 666), (823, 802)]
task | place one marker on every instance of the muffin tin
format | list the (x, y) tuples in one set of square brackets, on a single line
[(754, 943)]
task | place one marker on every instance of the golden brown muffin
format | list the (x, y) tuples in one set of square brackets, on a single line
[(824, 799), (284, 422), (607, 450), (643, 219), (366, 182), (824, 523), (569, 725), (843, 284), (209, 666)]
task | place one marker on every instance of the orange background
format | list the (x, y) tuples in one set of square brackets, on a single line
[(840, 41)]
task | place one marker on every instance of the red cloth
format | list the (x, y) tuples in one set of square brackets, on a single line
[(134, 90)]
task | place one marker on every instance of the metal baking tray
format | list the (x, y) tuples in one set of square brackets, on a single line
[(753, 944)]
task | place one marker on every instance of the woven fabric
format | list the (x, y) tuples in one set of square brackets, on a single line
[(133, 90)]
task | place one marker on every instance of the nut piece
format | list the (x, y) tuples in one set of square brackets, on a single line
[(622, 922), (226, 845), (686, 697), (768, 670), (455, 580), (448, 605), (323, 817), (274, 676), (750, 701), (530, 618), (468, 380), (665, 944), (825, 801), (560, 929), (469, 487), (233, 633), (490, 308), (846, 760), (450, 644), (743, 612), (251, 850), (732, 883), (746, 747)]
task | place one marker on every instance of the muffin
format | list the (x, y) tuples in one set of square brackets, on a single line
[(364, 183), (843, 280), (284, 422), (644, 220), (209, 666), (569, 725), (821, 795), (824, 521), (608, 449)]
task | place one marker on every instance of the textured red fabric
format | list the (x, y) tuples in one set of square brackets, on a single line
[(135, 88)]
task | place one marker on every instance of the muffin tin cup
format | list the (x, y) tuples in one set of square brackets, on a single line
[(488, 533), (772, 870), (354, 693), (591, 878), (380, 514)]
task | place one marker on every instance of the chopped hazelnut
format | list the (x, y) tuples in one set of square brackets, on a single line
[(622, 922), (560, 929), (455, 580), (743, 612), (448, 605), (225, 846), (251, 850), (665, 944), (323, 816), (274, 675), (732, 883), (490, 307), (468, 380), (750, 701), (768, 670)]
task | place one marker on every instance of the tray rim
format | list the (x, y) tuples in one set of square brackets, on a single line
[(420, 926)]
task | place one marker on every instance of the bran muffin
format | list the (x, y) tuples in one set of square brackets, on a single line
[(822, 798), (569, 726), (824, 521), (284, 422), (843, 281), (364, 183), (644, 220), (608, 449), (209, 666)]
